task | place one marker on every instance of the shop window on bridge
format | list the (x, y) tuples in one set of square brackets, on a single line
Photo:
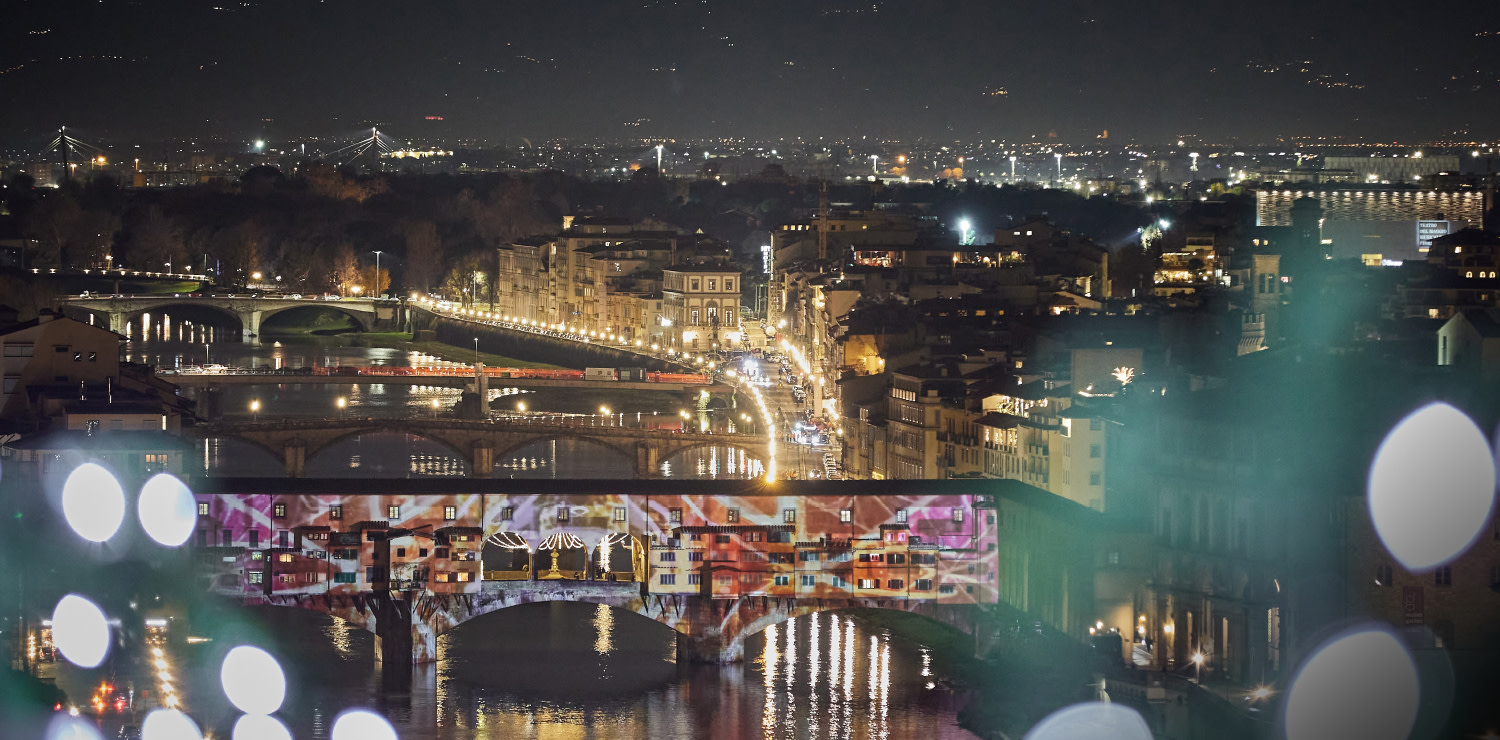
[(562, 513), (958, 514), (783, 581), (866, 557), (789, 516), (279, 511), (668, 557), (808, 556), (203, 508), (257, 577), (450, 513), (753, 536), (508, 513), (393, 511), (846, 516), (336, 511), (809, 580), (895, 584), (283, 538), (676, 515), (869, 583), (156, 462), (619, 513), (946, 588), (721, 539), (464, 576), (696, 556), (669, 579), (901, 516), (896, 559), (733, 516), (346, 578), (695, 579), (285, 557), (784, 558), (922, 584)]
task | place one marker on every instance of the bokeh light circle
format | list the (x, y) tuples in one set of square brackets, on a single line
[(64, 727), (362, 724), (167, 510), (1431, 486), (1361, 684), (253, 680), (93, 502), (260, 727), (169, 724), (1092, 721), (80, 631)]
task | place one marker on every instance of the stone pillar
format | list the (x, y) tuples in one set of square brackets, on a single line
[(647, 460), (296, 459), (709, 648), (484, 459), (117, 322), (482, 388), (393, 632), (250, 325)]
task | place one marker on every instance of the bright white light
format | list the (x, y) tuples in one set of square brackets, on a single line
[(964, 225), (360, 724), (260, 727), (93, 502), (80, 631), (169, 724), (1092, 721), (1432, 486), (167, 510), (253, 680), (70, 728), (1361, 684)]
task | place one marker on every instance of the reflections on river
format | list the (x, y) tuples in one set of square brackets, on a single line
[(571, 670)]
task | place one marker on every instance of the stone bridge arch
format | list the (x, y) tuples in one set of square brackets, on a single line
[(365, 319), (324, 442), (502, 446)]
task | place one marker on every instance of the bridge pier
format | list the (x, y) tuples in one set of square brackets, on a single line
[(393, 642), (117, 322), (250, 325), (647, 460), (296, 458), (484, 459)]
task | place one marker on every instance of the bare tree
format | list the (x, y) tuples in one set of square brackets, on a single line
[(157, 239), (344, 273), (424, 254), (238, 250)]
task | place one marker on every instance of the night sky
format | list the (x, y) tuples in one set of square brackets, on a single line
[(947, 69)]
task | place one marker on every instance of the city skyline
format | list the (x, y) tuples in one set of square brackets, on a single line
[(700, 70)]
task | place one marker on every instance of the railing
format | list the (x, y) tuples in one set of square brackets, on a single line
[(390, 371), (646, 427)]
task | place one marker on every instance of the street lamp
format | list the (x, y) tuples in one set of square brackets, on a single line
[(255, 409), (476, 350), (1198, 667), (434, 408), (341, 403), (377, 272)]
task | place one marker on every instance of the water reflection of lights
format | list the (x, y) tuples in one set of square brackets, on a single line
[(604, 630), (791, 673), (768, 661), (814, 664)]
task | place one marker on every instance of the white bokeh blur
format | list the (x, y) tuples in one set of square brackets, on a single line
[(64, 727), (362, 724), (167, 510), (1431, 486), (260, 727), (80, 631), (1092, 721), (93, 502), (1361, 683), (253, 680), (169, 724)]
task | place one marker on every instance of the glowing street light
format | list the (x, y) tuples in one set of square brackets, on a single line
[(341, 403), (255, 409), (1198, 666), (435, 405)]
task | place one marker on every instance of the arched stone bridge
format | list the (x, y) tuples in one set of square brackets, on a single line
[(479, 443), (250, 311), (708, 629)]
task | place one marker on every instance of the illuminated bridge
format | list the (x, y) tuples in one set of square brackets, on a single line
[(448, 377), (249, 311), (481, 443), (716, 561)]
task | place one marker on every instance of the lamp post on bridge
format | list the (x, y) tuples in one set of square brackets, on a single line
[(377, 274)]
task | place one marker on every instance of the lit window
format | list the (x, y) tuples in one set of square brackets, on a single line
[(279, 511), (958, 514), (733, 516), (393, 511), (508, 513), (562, 513), (285, 557), (846, 515), (450, 513), (202, 509), (336, 511), (789, 516), (676, 515), (619, 513), (901, 516)]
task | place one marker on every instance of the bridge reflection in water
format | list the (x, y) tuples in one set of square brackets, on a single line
[(715, 561)]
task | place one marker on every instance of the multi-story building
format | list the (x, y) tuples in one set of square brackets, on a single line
[(702, 302)]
